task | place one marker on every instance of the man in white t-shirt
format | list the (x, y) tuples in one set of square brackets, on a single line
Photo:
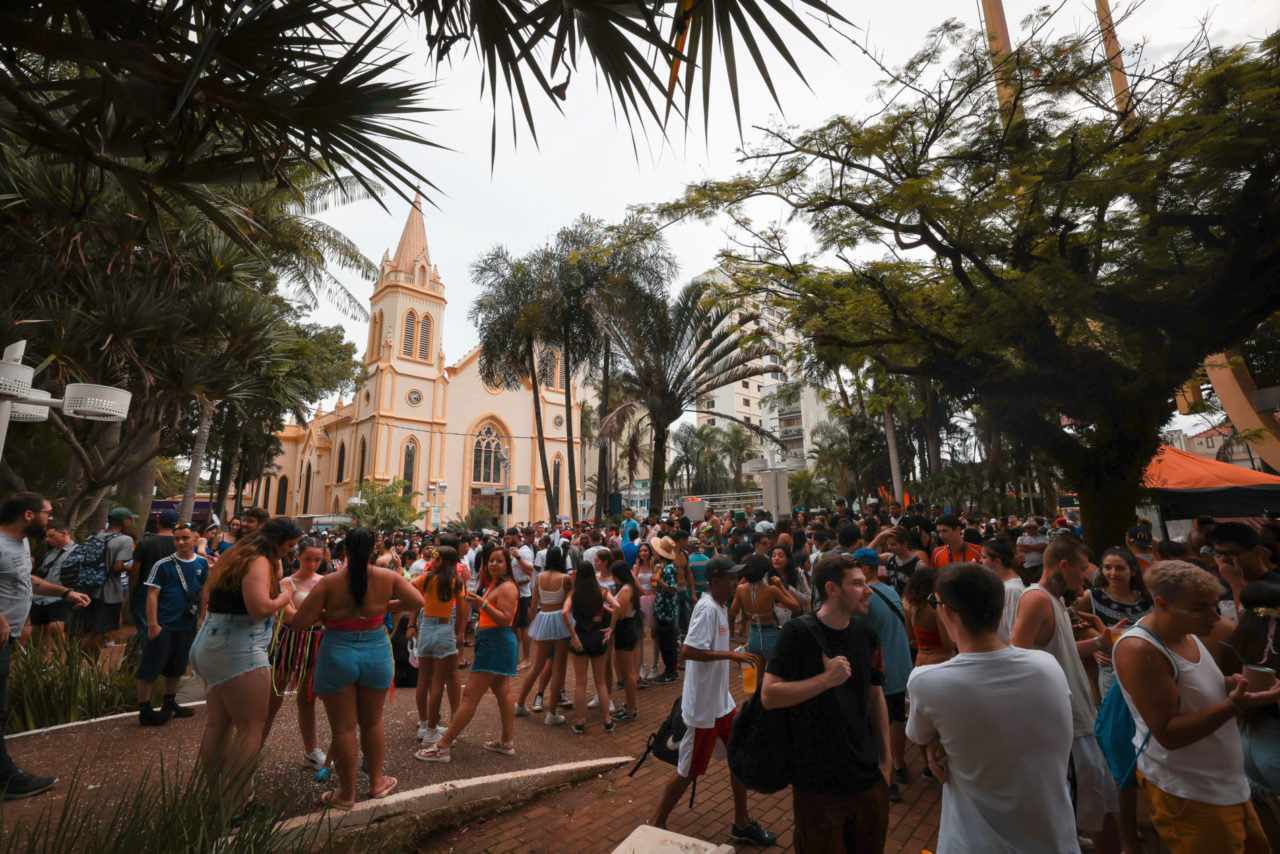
[(997, 556), (999, 794), (706, 704), (1031, 545)]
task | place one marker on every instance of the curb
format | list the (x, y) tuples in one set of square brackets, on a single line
[(432, 805), (14, 735)]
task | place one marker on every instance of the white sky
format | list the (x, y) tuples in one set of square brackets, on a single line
[(584, 162)]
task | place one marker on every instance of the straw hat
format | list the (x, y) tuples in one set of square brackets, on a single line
[(663, 547)]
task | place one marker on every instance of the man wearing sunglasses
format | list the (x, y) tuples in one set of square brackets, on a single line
[(993, 797)]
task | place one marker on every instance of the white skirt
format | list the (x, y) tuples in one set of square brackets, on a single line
[(548, 626)]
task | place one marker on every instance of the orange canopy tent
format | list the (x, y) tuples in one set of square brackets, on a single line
[(1184, 486)]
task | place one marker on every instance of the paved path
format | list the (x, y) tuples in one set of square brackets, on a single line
[(590, 817), (595, 816)]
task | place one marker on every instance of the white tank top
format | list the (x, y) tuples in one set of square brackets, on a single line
[(1062, 646), (1210, 770)]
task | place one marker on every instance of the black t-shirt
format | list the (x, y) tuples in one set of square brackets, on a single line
[(153, 547), (833, 734)]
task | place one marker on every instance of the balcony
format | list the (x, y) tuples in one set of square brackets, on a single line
[(791, 433)]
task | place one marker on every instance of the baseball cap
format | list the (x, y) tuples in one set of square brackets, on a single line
[(720, 567), (764, 527), (739, 515), (866, 557), (167, 518), (119, 514)]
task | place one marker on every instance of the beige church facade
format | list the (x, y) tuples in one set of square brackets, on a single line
[(455, 441)]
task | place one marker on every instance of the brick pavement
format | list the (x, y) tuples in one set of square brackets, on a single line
[(595, 816)]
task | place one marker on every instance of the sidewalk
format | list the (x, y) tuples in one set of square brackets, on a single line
[(594, 817)]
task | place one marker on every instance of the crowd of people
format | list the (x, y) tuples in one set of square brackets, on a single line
[(1000, 649)]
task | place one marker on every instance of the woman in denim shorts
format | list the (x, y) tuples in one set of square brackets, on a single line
[(354, 666), (230, 653), (441, 622)]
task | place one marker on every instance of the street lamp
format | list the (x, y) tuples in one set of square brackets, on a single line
[(504, 461), (20, 402)]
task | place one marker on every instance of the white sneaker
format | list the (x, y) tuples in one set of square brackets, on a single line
[(430, 737), (612, 707), (537, 703), (553, 719), (315, 759), (594, 702), (423, 729), (442, 728)]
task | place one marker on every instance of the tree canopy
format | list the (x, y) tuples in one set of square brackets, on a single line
[(1069, 269)]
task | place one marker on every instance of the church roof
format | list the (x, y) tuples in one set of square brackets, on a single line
[(413, 240)]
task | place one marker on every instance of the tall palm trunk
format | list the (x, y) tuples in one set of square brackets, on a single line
[(568, 422), (207, 408), (602, 467), (542, 439), (658, 469), (891, 439)]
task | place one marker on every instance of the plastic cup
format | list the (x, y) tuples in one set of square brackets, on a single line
[(1259, 678), (749, 678)]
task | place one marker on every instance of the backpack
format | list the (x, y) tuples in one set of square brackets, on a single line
[(760, 745), (85, 569), (1114, 726), (664, 743)]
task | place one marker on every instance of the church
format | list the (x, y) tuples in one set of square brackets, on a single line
[(456, 442)]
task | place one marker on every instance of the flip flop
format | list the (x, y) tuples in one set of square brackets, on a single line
[(387, 788), (432, 754), (330, 800), (499, 747)]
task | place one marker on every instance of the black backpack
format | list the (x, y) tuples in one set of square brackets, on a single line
[(664, 743), (406, 675), (760, 746)]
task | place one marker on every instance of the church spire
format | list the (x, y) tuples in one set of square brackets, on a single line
[(413, 240)]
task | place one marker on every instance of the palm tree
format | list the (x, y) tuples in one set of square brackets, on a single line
[(738, 446), (507, 316), (674, 357)]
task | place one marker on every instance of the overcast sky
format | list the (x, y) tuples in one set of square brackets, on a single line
[(584, 161)]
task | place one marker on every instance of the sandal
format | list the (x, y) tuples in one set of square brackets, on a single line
[(387, 787), (499, 747), (329, 800), (433, 754)]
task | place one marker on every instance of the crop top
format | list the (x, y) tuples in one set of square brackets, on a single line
[(551, 597), (431, 604), (223, 601)]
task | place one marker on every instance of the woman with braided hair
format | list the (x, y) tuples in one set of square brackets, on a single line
[(293, 651)]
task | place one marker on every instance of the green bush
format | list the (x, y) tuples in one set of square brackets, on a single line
[(159, 812), (52, 681)]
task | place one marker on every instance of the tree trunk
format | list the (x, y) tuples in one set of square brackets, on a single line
[(932, 429), (1107, 509), (568, 423), (891, 439), (135, 490), (658, 469), (229, 472), (542, 440), (602, 465), (188, 505)]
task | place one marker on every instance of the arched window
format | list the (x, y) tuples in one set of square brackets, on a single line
[(424, 338), (552, 376), (360, 463), (486, 462), (282, 496), (555, 485), (342, 462), (410, 329), (564, 373), (306, 491), (410, 458), (265, 501)]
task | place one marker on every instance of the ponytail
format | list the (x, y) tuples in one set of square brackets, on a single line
[(359, 544), (446, 572)]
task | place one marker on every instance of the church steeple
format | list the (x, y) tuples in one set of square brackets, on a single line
[(412, 248)]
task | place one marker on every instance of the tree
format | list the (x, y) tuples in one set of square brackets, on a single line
[(674, 356), (1058, 270), (508, 318), (738, 446), (384, 506), (808, 490)]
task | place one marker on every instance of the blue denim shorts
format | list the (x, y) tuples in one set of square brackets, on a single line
[(496, 652), (354, 658), (229, 645), (762, 640), (437, 637)]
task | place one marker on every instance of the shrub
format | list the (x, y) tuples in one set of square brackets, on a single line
[(52, 681), (174, 814)]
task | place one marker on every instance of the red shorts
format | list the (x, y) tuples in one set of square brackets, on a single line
[(698, 745)]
